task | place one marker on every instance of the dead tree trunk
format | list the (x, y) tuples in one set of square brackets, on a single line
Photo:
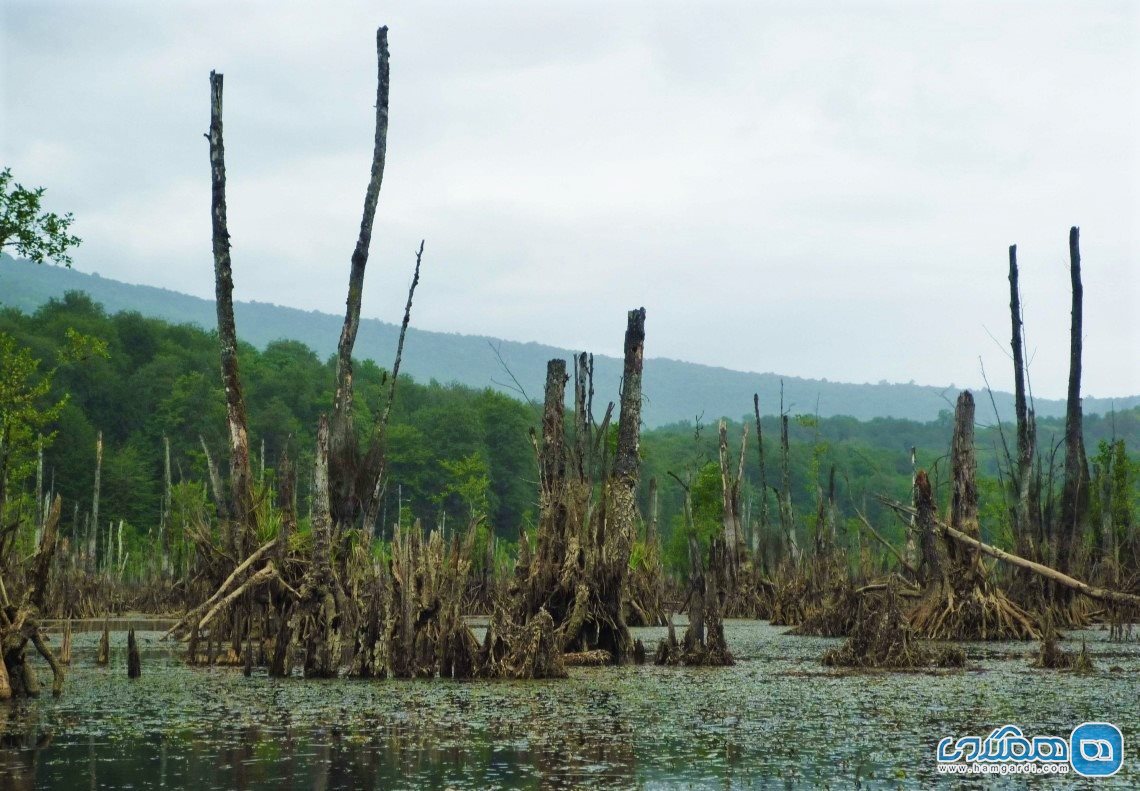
[(241, 478), (165, 528), (342, 440), (134, 664), (93, 538), (1075, 492), (730, 503), (1026, 510), (616, 539), (763, 531), (318, 609), (964, 488), (787, 514)]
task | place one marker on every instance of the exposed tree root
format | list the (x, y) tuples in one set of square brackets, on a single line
[(979, 612), (881, 637)]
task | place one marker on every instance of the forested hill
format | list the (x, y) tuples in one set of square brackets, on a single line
[(675, 391)]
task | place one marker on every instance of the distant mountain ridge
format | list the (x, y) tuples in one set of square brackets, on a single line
[(674, 390)]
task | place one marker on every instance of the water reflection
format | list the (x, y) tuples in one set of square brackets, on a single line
[(776, 719)]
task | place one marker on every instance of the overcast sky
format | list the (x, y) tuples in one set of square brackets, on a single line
[(814, 189)]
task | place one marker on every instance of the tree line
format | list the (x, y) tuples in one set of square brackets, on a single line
[(453, 452)]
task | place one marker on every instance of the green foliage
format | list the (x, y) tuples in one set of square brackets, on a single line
[(29, 231), (1115, 490), (468, 482), (707, 498), (29, 404)]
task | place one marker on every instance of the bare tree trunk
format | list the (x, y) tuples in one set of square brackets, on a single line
[(728, 504), (627, 461), (910, 554), (964, 489), (93, 539), (787, 514), (342, 445), (553, 427), (217, 495), (763, 474), (1075, 493), (241, 479), (167, 503), (621, 526), (933, 568), (40, 510), (375, 463)]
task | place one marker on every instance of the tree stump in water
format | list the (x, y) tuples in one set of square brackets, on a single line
[(104, 654), (65, 645), (134, 664)]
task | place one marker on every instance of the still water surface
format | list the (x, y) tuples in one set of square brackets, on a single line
[(777, 719)]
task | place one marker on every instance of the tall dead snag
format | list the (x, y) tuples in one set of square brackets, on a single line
[(241, 478), (342, 439), (959, 602), (1075, 492), (1026, 508), (615, 540)]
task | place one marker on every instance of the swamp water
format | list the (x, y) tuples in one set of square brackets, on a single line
[(776, 719)]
